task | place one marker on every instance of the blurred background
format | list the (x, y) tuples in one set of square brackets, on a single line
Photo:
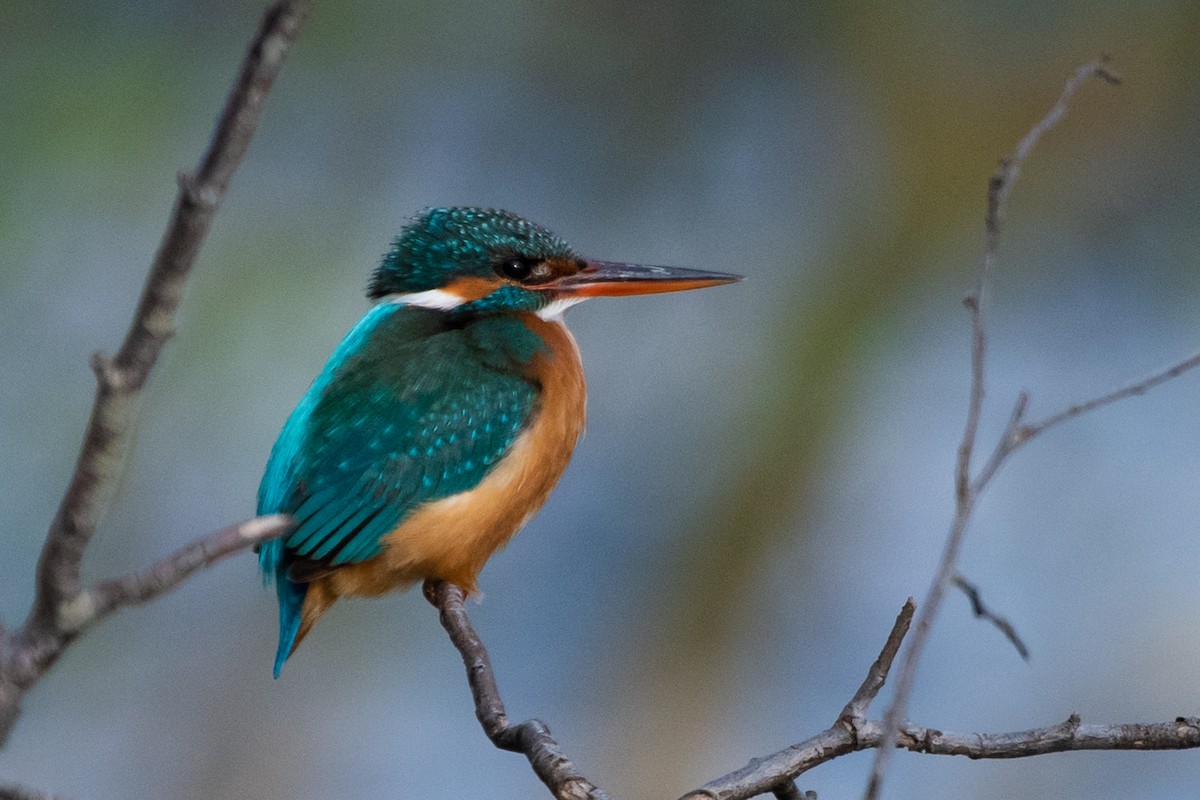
[(767, 470)]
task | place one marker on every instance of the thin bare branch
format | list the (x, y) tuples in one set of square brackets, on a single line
[(1026, 432), (148, 584), (763, 774), (61, 607), (999, 189), (981, 610), (532, 737), (121, 378), (31, 652), (856, 709), (1008, 442)]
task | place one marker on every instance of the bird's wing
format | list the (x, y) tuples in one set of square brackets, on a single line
[(404, 415)]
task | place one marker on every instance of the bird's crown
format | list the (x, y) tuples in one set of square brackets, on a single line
[(443, 245), (480, 261)]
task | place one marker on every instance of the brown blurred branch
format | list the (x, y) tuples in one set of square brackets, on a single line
[(62, 608), (532, 737), (15, 792)]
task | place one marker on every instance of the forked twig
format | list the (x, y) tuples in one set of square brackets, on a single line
[(967, 491), (62, 607)]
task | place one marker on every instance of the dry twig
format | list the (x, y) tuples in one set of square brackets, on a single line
[(853, 731), (981, 610), (62, 607), (756, 779), (967, 491)]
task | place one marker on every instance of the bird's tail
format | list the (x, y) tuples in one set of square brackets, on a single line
[(291, 599)]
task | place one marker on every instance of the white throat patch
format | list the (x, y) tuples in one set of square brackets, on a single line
[(553, 311), (433, 298), (441, 300)]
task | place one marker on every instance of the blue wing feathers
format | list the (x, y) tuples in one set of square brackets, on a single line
[(405, 411)]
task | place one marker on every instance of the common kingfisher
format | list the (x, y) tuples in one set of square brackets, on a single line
[(444, 418)]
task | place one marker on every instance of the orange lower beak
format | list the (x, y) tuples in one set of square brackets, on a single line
[(606, 279)]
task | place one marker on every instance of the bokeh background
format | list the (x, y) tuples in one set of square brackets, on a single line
[(767, 470)]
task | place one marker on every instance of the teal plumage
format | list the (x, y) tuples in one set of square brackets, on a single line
[(412, 407), (443, 419)]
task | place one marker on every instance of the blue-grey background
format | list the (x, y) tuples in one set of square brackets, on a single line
[(767, 470)]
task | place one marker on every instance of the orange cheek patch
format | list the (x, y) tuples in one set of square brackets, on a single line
[(472, 288)]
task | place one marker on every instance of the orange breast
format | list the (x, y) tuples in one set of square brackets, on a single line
[(452, 538)]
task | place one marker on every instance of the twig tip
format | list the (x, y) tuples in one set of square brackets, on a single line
[(1104, 72)]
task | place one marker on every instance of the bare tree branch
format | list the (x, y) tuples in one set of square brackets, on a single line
[(760, 776), (852, 732), (120, 379), (856, 709), (61, 607), (1032, 429), (531, 737), (966, 492), (28, 654), (852, 718), (153, 582)]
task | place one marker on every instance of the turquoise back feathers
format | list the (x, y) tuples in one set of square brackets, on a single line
[(407, 410)]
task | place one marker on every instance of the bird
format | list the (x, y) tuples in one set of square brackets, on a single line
[(442, 421)]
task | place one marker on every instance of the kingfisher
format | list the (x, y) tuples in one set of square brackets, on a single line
[(443, 419)]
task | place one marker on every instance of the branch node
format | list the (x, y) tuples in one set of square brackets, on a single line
[(855, 712), (75, 613), (108, 375), (194, 193)]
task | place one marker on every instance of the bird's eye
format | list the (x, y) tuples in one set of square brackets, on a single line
[(517, 269)]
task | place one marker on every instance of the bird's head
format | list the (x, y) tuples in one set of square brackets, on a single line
[(476, 260)]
